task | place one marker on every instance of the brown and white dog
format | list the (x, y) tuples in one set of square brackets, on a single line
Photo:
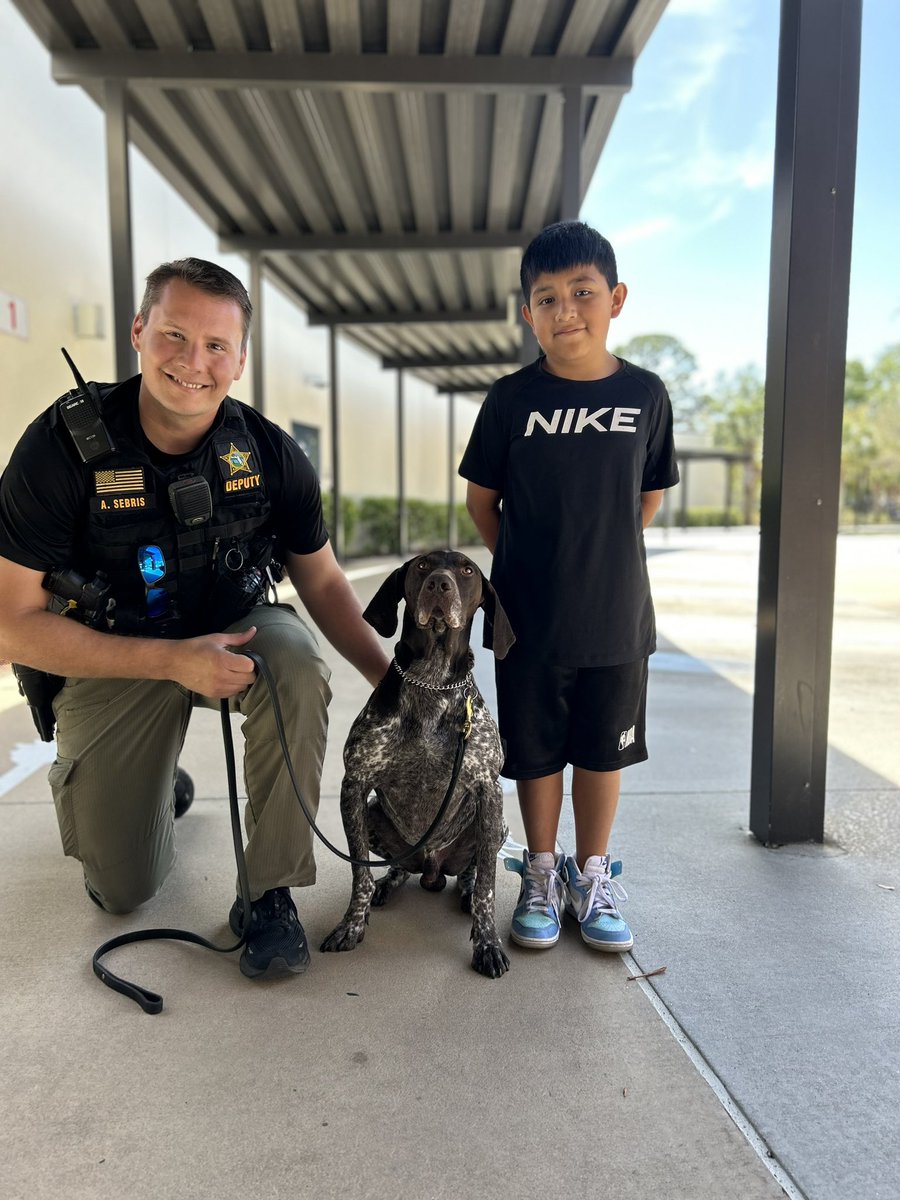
[(403, 744)]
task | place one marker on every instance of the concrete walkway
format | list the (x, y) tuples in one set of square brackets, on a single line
[(762, 1061)]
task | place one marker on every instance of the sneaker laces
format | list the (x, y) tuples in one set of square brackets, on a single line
[(276, 907), (543, 887), (601, 899)]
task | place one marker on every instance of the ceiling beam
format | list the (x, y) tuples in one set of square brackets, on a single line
[(330, 72), (475, 316), (466, 389), (334, 243), (436, 363)]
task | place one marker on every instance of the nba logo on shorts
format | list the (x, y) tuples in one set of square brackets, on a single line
[(626, 738)]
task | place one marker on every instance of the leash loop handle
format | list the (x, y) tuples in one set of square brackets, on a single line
[(152, 1002)]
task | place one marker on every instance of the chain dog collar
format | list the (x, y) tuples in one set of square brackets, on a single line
[(432, 687)]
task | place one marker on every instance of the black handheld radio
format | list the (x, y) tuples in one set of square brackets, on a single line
[(81, 414)]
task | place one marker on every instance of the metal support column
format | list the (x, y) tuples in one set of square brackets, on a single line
[(115, 100), (815, 158), (529, 346), (451, 470), (573, 109), (336, 531), (258, 354), (402, 516)]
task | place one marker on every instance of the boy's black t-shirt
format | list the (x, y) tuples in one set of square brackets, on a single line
[(570, 460)]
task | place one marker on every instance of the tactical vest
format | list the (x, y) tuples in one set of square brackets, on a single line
[(130, 508)]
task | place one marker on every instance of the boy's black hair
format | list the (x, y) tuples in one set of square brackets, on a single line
[(566, 244), (208, 277)]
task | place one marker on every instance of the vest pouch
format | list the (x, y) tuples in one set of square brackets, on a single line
[(241, 581)]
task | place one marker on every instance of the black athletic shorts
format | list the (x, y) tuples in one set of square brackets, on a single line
[(591, 717)]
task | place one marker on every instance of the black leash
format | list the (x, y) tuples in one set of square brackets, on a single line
[(152, 1002)]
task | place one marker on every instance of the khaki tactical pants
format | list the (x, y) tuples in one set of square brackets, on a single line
[(118, 742)]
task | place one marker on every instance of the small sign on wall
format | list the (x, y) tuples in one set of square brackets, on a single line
[(13, 315)]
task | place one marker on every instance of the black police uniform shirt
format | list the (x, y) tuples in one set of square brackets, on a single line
[(47, 495), (570, 459)]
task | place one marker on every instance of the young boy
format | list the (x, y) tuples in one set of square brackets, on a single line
[(566, 465)]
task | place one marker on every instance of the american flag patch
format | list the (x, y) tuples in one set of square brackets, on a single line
[(131, 480)]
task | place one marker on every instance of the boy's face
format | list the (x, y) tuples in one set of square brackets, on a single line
[(570, 312)]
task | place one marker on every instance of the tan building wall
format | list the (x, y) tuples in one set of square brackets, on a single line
[(55, 255)]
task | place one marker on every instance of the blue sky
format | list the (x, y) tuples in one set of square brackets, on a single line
[(684, 185)]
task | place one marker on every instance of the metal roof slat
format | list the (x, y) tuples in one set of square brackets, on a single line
[(314, 118), (412, 120), (416, 273), (641, 22), (504, 270), (446, 271), (463, 26), (227, 130), (373, 154), (283, 24), (163, 154), (344, 32), (101, 21), (404, 19), (223, 24), (357, 283), (172, 110), (460, 139), (473, 267), (506, 140), (442, 288), (311, 294), (337, 295), (285, 162), (165, 28), (610, 30), (522, 27), (600, 122), (393, 282), (544, 172), (581, 28)]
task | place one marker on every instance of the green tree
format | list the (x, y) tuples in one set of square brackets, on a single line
[(733, 414), (673, 362), (882, 415), (858, 447)]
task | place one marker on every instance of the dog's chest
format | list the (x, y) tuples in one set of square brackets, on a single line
[(415, 745)]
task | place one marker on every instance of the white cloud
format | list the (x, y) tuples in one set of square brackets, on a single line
[(717, 35), (696, 8), (712, 170), (642, 230)]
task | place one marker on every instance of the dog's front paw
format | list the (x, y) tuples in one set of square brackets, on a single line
[(490, 960), (344, 937)]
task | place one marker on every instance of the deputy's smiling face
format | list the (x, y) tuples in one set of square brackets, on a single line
[(190, 352)]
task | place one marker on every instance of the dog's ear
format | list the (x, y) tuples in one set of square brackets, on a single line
[(500, 636), (381, 612)]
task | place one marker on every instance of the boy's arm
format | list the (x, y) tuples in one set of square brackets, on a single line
[(483, 505), (650, 502)]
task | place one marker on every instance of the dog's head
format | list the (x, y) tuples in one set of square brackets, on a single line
[(442, 590)]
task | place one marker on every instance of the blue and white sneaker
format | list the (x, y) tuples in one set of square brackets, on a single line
[(591, 897), (537, 917)]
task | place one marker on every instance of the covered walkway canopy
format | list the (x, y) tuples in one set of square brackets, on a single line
[(385, 160)]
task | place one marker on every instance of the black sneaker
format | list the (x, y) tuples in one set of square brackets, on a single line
[(276, 943), (184, 792)]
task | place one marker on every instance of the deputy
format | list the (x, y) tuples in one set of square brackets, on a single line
[(187, 514)]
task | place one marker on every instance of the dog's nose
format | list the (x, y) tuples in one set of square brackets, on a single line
[(439, 583)]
